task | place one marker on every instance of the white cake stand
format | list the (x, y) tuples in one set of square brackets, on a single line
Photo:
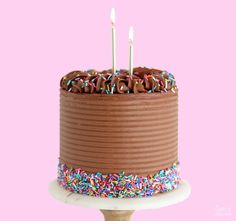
[(115, 209)]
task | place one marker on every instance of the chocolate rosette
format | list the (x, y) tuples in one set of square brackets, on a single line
[(143, 80)]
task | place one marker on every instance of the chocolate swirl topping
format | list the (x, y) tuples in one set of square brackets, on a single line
[(143, 80)]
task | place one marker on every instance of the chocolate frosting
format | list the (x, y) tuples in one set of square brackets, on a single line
[(136, 133), (143, 80)]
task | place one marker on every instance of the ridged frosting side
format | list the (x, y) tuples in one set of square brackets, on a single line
[(135, 133)]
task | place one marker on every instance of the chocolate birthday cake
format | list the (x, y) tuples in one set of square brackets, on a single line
[(119, 133)]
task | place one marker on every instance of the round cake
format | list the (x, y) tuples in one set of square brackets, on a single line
[(119, 133)]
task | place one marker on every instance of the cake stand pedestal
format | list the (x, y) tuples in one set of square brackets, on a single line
[(115, 209)]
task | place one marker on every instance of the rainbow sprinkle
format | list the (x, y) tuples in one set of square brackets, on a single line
[(118, 185)]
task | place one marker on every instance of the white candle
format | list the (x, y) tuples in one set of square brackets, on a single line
[(113, 41), (131, 39)]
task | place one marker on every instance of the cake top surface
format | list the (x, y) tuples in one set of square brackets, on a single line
[(143, 80)]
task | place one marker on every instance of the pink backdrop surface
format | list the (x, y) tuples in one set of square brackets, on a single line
[(42, 40)]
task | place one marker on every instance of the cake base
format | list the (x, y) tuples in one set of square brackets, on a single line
[(115, 209), (117, 215)]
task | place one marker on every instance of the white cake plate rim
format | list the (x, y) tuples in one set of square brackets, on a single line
[(158, 201)]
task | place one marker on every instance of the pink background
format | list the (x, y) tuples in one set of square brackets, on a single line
[(42, 40)]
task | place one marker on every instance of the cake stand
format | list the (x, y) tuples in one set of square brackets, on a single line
[(115, 209)]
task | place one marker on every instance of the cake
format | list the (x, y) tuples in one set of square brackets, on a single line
[(119, 133)]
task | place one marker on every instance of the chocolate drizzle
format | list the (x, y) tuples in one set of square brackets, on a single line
[(143, 80)]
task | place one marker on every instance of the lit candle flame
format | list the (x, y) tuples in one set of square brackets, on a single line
[(113, 17), (131, 34)]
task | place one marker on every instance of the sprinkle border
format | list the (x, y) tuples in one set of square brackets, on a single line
[(117, 185)]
